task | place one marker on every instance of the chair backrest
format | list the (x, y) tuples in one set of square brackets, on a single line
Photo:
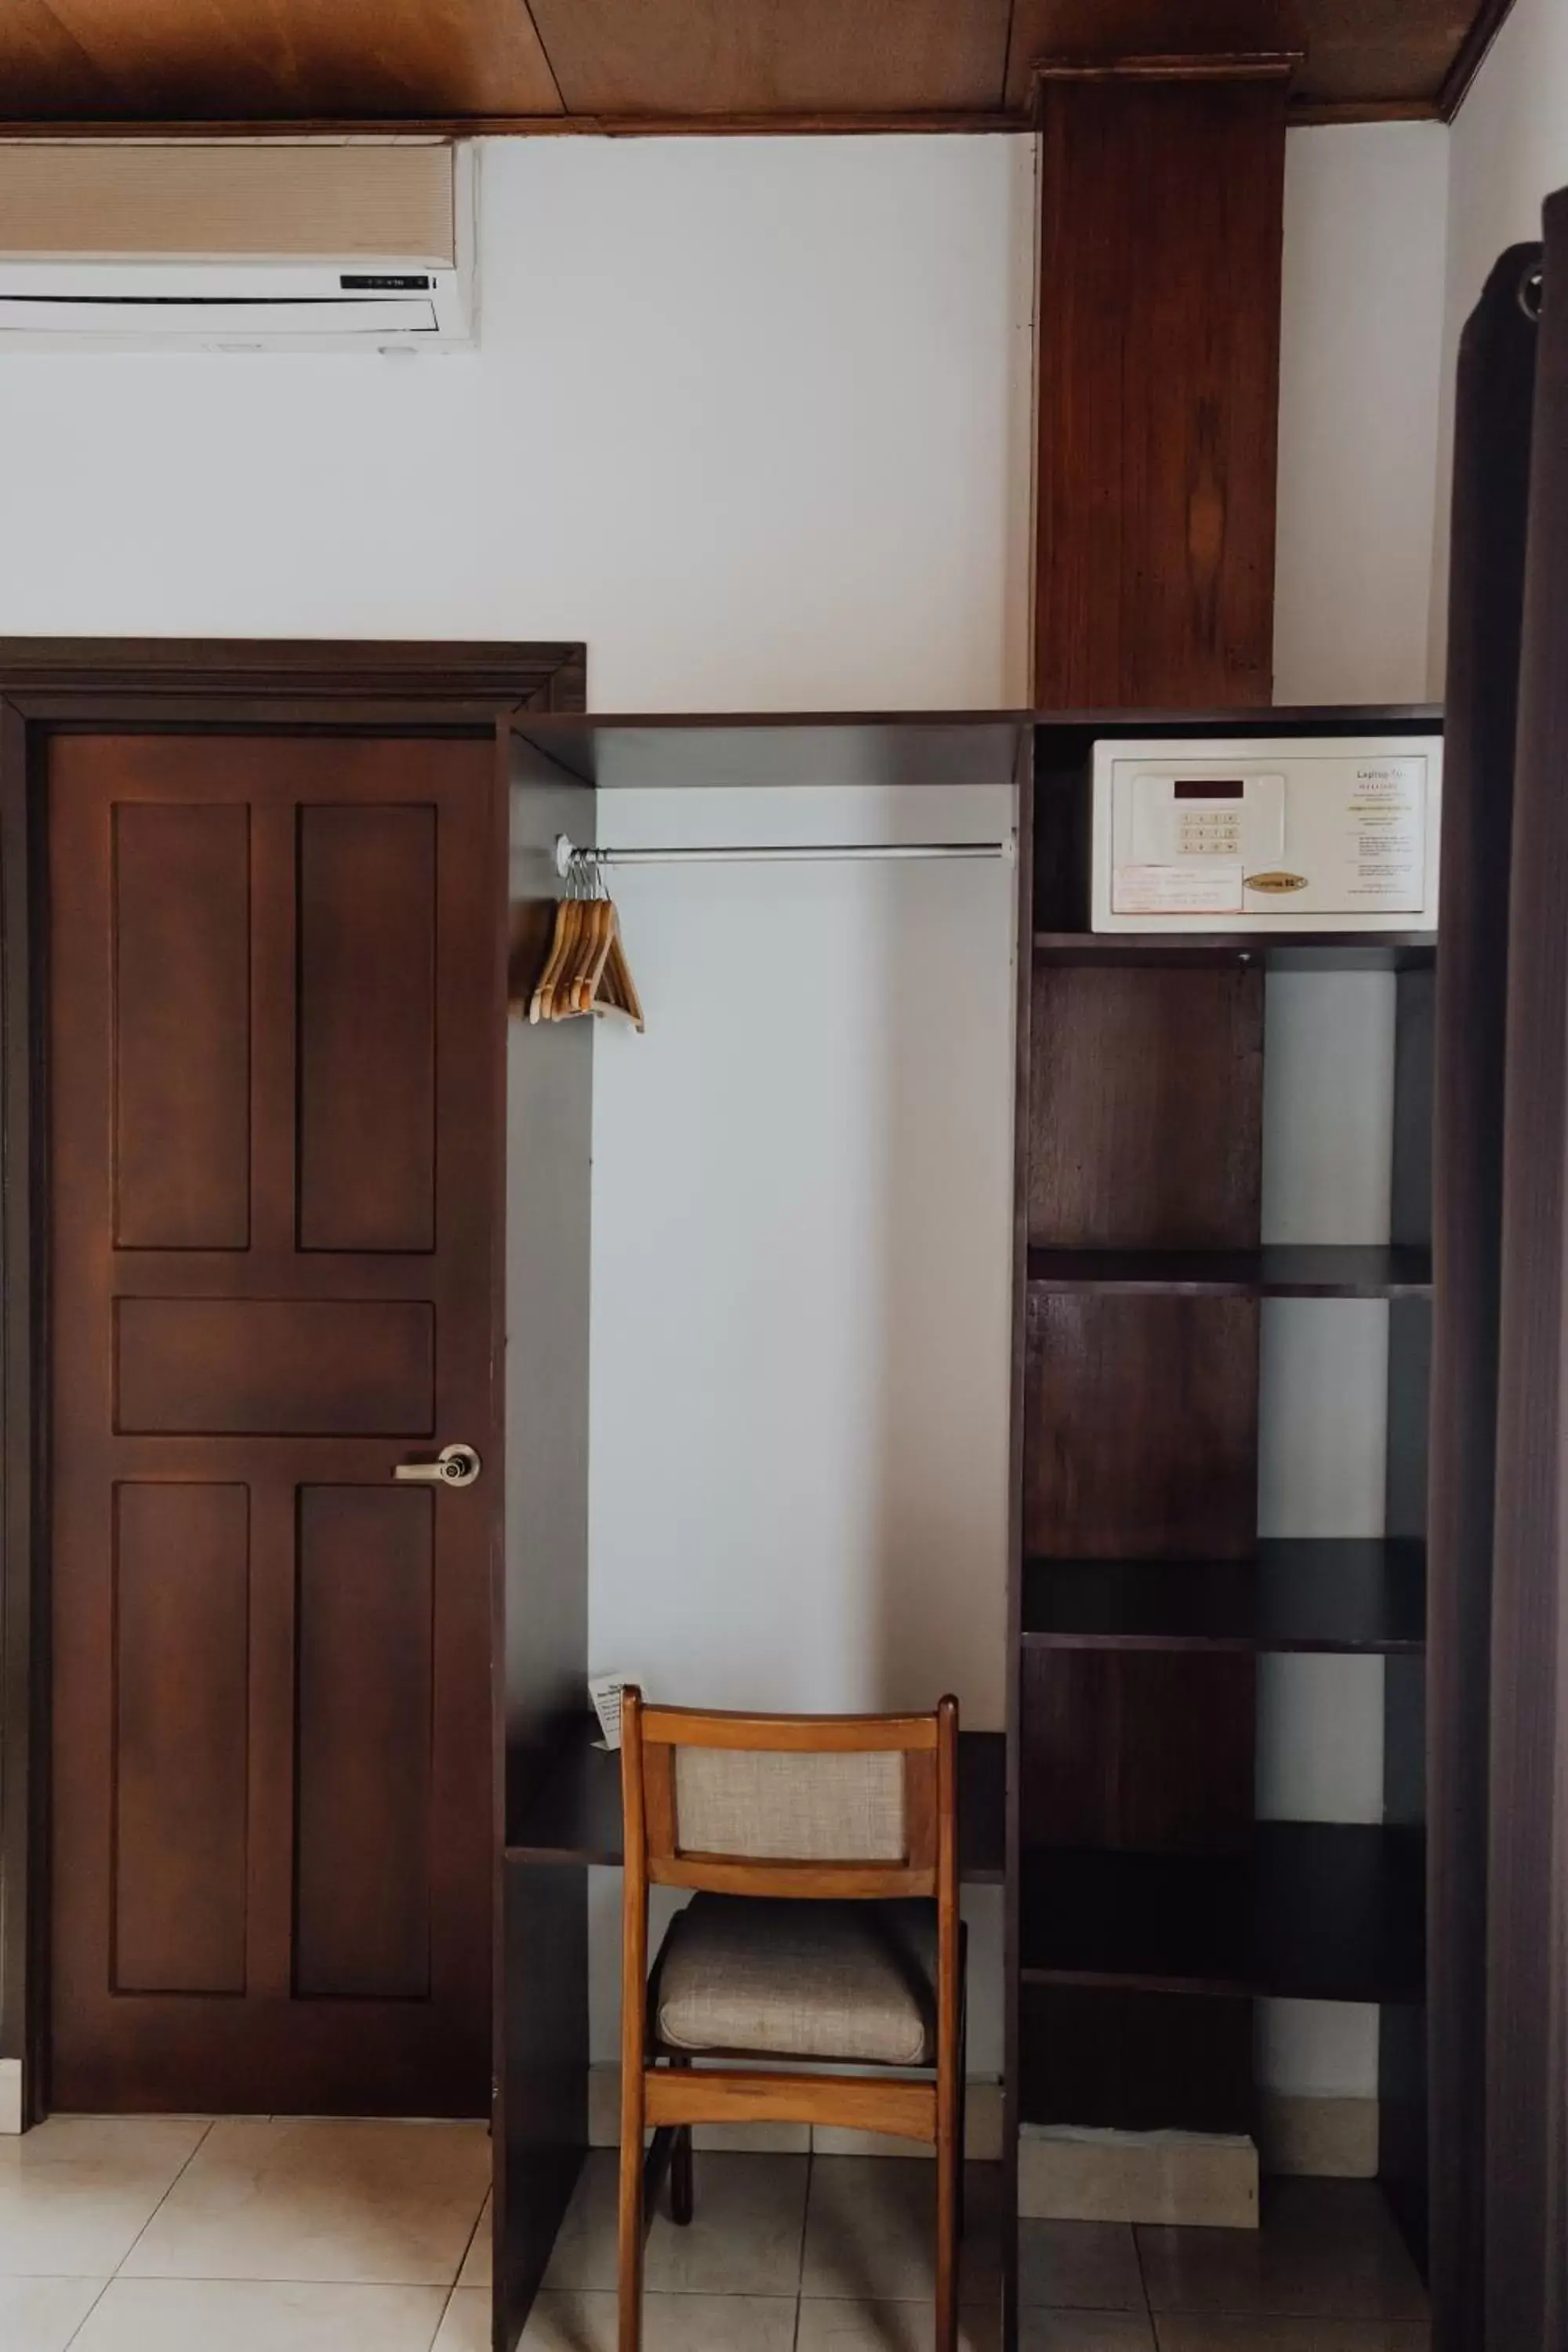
[(811, 1805)]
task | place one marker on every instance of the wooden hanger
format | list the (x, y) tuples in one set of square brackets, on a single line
[(563, 1002), (609, 987), (542, 1001), (620, 988), (587, 968), (599, 930)]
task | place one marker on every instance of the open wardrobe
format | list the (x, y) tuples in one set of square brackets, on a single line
[(1180, 1183)]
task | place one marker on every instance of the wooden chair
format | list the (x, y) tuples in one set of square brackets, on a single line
[(822, 1850)]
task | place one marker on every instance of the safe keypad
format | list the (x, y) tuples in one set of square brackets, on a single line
[(1211, 835)]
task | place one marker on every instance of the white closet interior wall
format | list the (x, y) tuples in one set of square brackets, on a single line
[(802, 1231)]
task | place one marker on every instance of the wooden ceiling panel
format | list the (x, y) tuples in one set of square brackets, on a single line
[(281, 60), (1381, 50), (1356, 51), (38, 59), (695, 57), (795, 65)]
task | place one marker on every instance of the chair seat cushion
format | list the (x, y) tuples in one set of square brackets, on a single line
[(853, 1981)]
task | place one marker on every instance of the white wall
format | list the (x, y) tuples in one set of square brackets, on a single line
[(1509, 149), (1328, 1112), (750, 416), (802, 1243), (1360, 358), (802, 1186)]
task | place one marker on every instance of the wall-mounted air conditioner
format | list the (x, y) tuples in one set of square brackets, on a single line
[(298, 245)]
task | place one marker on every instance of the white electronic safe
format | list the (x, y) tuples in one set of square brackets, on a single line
[(1277, 833)]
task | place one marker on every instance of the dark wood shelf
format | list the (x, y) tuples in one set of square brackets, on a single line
[(1316, 1911), (1277, 950), (1281, 1270), (1361, 1596), (566, 1807)]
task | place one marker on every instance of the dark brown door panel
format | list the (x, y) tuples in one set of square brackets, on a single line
[(276, 1027)]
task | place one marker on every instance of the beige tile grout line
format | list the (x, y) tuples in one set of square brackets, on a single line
[(140, 2233), (91, 2307), (462, 2258), (805, 2226)]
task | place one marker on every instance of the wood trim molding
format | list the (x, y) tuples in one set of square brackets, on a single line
[(527, 676), (807, 124), (1311, 113), (23, 1689), (1235, 64)]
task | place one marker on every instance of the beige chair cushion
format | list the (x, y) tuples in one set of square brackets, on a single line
[(767, 1805), (797, 1980)]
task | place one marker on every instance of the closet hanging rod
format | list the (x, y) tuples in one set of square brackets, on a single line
[(571, 860)]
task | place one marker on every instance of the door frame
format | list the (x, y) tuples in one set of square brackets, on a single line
[(137, 683)]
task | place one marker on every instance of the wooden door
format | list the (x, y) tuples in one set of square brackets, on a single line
[(276, 1014)]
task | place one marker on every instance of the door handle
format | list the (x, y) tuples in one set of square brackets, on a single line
[(455, 1466)]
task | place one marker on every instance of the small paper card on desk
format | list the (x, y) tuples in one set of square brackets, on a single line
[(605, 1690)]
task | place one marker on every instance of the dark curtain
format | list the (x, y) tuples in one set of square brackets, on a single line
[(1498, 1660)]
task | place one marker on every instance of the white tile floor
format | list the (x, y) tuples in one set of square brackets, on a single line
[(180, 2235), (168, 2234)]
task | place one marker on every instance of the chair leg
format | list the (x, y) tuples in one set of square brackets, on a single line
[(949, 2189), (630, 2221), (948, 2192), (682, 2181), (962, 2112)]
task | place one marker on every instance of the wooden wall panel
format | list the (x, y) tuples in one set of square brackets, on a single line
[(180, 1738), (1159, 392), (1140, 1419), (543, 2041), (1145, 1108), (181, 915), (366, 1682), (367, 1028), (1138, 1752), (274, 1367), (1134, 2061)]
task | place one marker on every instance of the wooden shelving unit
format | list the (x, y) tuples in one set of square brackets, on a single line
[(560, 1809), (1146, 1908), (1302, 952), (1355, 1596), (1286, 1271), (1151, 1907), (1314, 1911)]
